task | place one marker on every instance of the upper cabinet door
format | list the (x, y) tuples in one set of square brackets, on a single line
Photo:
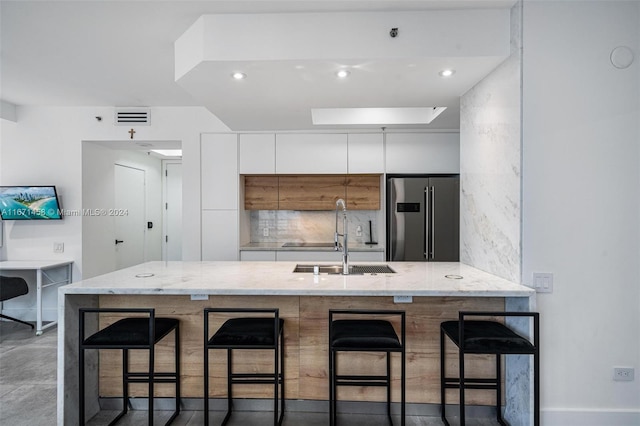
[(318, 153), (257, 153), (310, 192), (219, 171), (363, 192), (366, 153), (423, 152)]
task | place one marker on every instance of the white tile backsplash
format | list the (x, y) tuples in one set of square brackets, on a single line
[(309, 226)]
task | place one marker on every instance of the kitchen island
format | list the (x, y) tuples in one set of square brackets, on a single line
[(437, 292)]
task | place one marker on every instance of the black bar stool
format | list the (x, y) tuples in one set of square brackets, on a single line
[(140, 332), (365, 335), (11, 287), (487, 337), (252, 332)]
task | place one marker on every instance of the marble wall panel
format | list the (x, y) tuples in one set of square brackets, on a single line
[(490, 165)]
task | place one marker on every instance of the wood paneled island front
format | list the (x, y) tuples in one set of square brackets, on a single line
[(438, 291)]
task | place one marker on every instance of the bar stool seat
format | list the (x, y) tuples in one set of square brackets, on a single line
[(126, 334), (487, 337), (365, 335), (253, 332)]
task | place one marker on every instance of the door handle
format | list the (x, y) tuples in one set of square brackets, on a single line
[(119, 241)]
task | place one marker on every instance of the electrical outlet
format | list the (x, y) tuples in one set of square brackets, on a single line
[(623, 374), (402, 299), (265, 232), (199, 297), (58, 247), (359, 231), (543, 282)]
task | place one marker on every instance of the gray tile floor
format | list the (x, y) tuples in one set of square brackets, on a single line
[(28, 392)]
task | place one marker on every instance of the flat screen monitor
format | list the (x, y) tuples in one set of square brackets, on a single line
[(29, 203)]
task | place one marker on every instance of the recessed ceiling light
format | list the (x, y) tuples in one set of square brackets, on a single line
[(239, 75), (343, 74), (447, 73)]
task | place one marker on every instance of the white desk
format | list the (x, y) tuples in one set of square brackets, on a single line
[(40, 267)]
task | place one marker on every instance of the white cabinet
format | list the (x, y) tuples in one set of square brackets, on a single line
[(219, 188), (219, 235), (258, 255), (422, 153), (305, 153), (365, 153), (219, 171), (257, 153)]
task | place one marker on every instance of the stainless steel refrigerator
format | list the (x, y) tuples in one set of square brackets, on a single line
[(423, 218)]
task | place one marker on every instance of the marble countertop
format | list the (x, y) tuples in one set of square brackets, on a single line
[(278, 278), (279, 246)]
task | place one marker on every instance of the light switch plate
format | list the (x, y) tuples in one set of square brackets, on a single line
[(543, 282)]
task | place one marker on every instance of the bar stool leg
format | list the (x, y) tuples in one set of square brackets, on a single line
[(206, 374), (151, 379), (389, 388), (81, 385), (177, 375), (461, 381), (229, 387), (403, 391), (125, 383), (332, 387), (275, 386), (499, 390), (282, 379), (443, 392)]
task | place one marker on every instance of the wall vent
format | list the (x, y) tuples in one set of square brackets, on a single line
[(133, 117)]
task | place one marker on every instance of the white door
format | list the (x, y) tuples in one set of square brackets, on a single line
[(129, 214), (172, 248)]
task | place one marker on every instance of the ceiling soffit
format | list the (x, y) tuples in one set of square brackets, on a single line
[(291, 60)]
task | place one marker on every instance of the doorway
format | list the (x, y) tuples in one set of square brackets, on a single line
[(172, 218), (129, 215), (100, 253)]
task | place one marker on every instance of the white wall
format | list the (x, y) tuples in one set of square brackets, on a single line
[(98, 192), (581, 205)]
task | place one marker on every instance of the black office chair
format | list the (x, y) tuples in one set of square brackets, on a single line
[(487, 337), (365, 335), (244, 333), (140, 332), (11, 287)]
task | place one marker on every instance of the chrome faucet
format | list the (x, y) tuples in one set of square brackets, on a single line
[(345, 250)]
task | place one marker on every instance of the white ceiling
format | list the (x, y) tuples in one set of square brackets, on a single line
[(121, 53)]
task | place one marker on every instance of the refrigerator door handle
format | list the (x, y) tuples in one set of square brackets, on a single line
[(432, 213), (426, 223)]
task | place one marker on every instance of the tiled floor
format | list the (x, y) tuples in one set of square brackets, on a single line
[(28, 392)]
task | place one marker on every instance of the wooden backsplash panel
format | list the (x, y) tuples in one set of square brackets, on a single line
[(310, 192), (363, 192), (261, 192)]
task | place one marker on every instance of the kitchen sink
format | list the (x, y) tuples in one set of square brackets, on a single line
[(353, 269)]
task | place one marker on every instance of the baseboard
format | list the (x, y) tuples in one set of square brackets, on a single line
[(564, 417)]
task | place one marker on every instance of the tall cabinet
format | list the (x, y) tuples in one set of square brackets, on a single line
[(219, 187)]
